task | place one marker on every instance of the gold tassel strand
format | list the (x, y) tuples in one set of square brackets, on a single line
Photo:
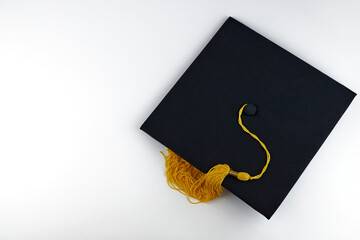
[(188, 180)]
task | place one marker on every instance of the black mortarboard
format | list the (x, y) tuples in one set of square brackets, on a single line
[(293, 109)]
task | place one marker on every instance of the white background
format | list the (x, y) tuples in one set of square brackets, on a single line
[(78, 78)]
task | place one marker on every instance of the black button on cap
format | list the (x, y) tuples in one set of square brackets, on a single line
[(250, 109)]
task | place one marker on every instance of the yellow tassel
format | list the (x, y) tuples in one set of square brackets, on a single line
[(188, 180)]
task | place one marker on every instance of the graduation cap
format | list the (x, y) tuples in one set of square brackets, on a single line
[(247, 115)]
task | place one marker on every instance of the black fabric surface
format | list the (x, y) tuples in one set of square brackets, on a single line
[(297, 107)]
